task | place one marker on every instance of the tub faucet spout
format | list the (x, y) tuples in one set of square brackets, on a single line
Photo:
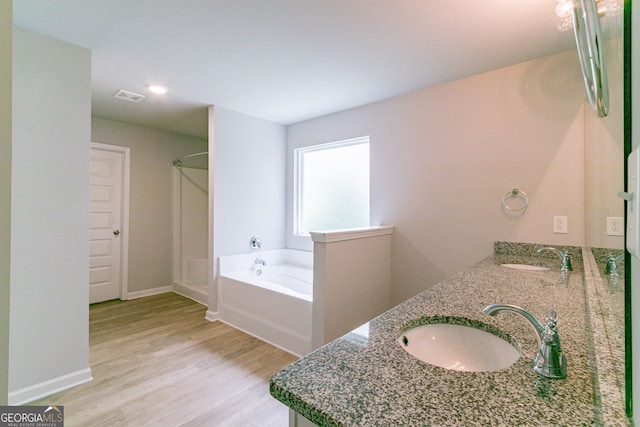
[(549, 361), (564, 257), (260, 261)]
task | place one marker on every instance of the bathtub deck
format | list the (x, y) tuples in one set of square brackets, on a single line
[(157, 361)]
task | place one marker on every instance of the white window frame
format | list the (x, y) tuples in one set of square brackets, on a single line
[(297, 180)]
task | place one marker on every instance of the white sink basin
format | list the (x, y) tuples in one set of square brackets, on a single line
[(526, 267), (458, 347)]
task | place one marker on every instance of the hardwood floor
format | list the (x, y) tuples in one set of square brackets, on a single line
[(157, 362)]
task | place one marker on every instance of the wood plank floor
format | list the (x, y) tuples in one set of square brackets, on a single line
[(156, 361)]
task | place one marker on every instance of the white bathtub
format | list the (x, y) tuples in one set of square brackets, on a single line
[(272, 302)]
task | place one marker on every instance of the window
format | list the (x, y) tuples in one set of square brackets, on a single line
[(332, 186)]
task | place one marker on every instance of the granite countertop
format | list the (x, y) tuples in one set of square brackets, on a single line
[(365, 378)]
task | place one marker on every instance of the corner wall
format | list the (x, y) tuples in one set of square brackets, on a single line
[(6, 54), (248, 186), (443, 158), (49, 301)]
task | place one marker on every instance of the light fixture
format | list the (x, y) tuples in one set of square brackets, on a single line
[(564, 10), (157, 89)]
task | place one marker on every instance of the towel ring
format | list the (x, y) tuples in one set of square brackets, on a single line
[(513, 194)]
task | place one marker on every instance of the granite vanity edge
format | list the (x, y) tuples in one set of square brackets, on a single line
[(299, 406), (607, 387)]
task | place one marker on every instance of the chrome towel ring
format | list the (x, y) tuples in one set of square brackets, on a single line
[(515, 194)]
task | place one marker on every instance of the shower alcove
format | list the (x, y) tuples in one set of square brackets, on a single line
[(190, 225)]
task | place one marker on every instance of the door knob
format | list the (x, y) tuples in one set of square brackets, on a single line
[(116, 232)]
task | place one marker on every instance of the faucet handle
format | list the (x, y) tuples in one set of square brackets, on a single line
[(566, 262), (552, 319), (610, 266), (564, 257), (548, 337), (550, 361)]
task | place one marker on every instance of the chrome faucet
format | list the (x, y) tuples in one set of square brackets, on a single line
[(260, 261), (564, 256), (549, 361), (611, 269)]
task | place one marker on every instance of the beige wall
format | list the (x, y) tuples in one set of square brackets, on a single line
[(604, 150), (150, 209), (442, 159), (6, 48)]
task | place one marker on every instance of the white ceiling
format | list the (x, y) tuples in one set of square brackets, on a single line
[(286, 60)]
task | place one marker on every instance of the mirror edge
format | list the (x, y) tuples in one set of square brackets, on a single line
[(627, 149)]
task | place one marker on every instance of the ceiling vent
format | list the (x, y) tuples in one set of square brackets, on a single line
[(125, 95)]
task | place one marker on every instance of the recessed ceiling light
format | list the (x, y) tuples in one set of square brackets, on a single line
[(157, 89)]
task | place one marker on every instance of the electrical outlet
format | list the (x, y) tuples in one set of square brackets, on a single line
[(560, 224), (615, 226)]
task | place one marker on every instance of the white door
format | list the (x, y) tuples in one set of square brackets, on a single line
[(105, 245)]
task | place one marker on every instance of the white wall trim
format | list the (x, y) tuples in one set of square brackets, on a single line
[(212, 291), (350, 234), (147, 292), (126, 180), (192, 294), (177, 230), (212, 316), (46, 388)]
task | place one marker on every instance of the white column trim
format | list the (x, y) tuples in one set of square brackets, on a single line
[(350, 234)]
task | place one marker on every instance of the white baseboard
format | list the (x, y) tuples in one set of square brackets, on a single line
[(193, 294), (46, 388), (148, 292), (212, 316)]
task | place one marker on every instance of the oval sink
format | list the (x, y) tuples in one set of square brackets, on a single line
[(458, 347), (526, 267)]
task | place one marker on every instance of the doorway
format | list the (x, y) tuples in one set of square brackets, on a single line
[(109, 220)]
